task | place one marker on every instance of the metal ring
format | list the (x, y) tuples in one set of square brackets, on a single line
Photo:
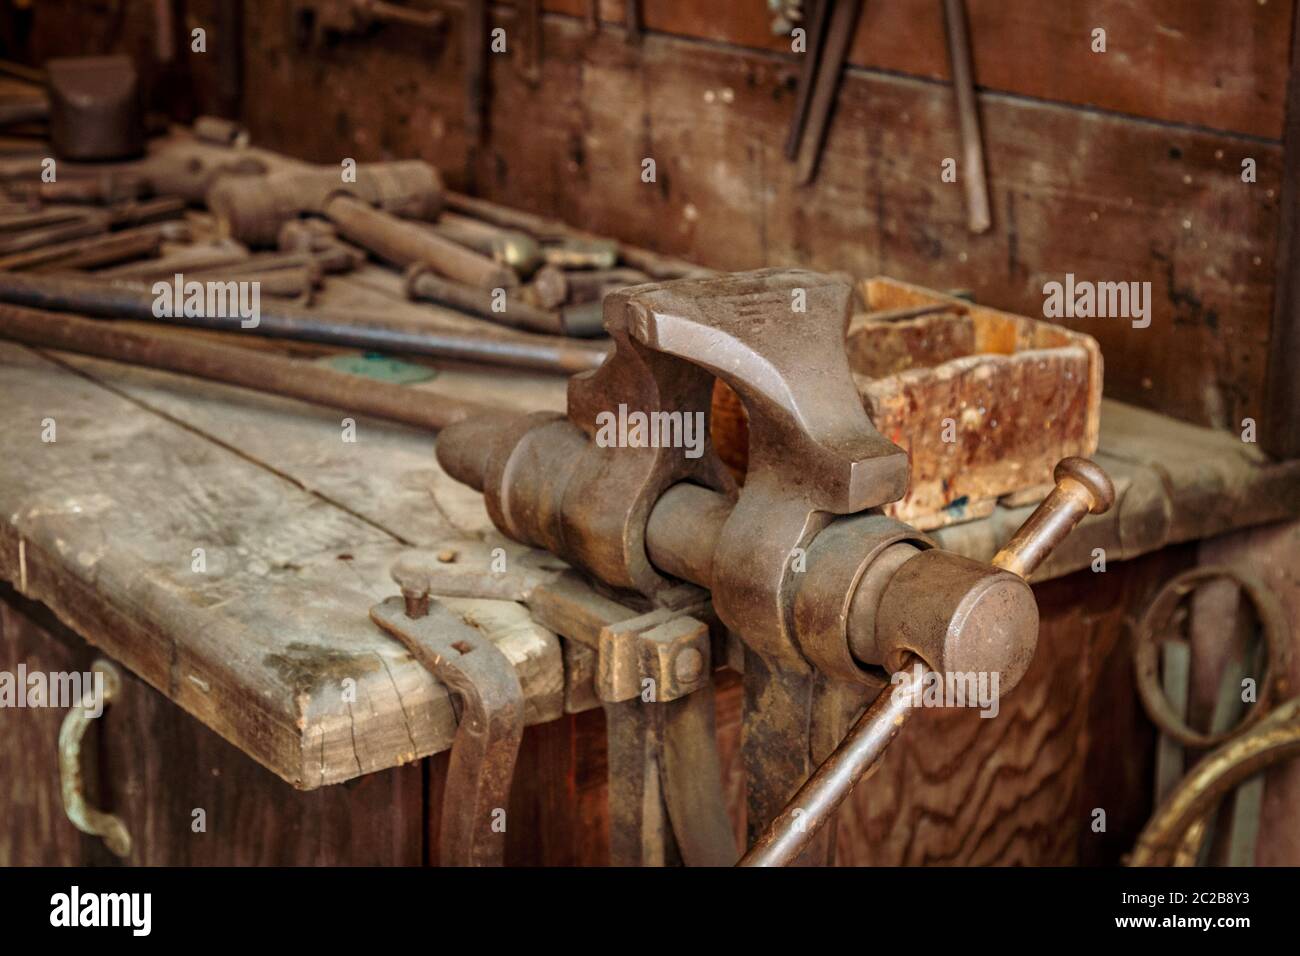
[(1154, 623), (1167, 838)]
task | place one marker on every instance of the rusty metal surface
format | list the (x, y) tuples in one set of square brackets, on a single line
[(1154, 628), (83, 815), (652, 677), (491, 725), (814, 805), (404, 244), (253, 209), (423, 284), (1082, 488)]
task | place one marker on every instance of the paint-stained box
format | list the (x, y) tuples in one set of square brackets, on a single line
[(984, 402)]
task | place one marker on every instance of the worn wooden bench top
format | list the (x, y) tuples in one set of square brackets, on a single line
[(298, 529)]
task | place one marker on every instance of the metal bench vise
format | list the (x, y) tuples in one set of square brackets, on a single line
[(827, 597)]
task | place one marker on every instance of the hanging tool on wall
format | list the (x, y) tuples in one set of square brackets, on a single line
[(971, 171), (632, 20), (832, 24)]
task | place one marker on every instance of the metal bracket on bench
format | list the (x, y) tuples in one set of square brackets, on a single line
[(491, 725)]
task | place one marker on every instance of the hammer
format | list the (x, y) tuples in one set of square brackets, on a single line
[(365, 211)]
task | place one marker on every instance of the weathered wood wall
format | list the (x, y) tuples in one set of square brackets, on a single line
[(1115, 166)]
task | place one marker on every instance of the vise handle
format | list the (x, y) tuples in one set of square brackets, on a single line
[(1081, 487)]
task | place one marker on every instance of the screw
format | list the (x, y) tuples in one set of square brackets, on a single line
[(689, 665), (417, 601)]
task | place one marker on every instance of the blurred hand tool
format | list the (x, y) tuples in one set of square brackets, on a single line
[(814, 38), (325, 21), (93, 251), (23, 109), (978, 218), (424, 285), (820, 82), (232, 365), (404, 244), (122, 300), (95, 111), (214, 255), (528, 55), (509, 247), (632, 20), (253, 209)]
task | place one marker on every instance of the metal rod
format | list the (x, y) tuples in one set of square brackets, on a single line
[(119, 300), (424, 285), (232, 365), (978, 218), (833, 54), (856, 757), (1081, 487), (403, 243)]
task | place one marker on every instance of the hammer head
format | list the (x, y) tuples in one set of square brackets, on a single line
[(95, 108)]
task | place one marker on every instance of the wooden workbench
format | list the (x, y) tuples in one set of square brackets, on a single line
[(299, 527)]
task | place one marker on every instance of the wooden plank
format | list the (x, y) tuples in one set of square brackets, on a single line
[(1200, 62), (101, 525), (1281, 423), (155, 768), (1189, 61), (1271, 554), (1096, 195)]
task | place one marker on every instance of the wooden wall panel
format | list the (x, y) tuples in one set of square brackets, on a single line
[(1200, 62), (1103, 197)]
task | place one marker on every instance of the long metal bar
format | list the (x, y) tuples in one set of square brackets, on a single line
[(816, 32), (978, 218), (834, 52), (232, 365), (117, 300), (857, 756)]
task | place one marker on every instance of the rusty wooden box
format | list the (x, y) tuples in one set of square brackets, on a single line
[(984, 402)]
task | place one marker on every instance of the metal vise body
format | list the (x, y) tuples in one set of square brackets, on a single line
[(827, 595)]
